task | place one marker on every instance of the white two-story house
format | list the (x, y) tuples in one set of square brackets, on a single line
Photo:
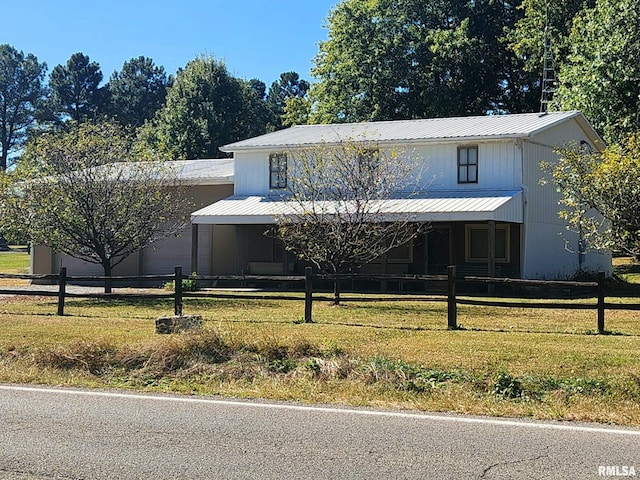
[(482, 196)]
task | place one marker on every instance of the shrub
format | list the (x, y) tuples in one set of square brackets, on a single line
[(507, 386), (188, 284)]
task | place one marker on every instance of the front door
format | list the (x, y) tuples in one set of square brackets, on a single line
[(438, 250)]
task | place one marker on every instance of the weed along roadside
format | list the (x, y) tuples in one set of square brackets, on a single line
[(518, 361)]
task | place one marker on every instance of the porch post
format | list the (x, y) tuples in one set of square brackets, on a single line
[(285, 260), (425, 257), (194, 248), (491, 254), (491, 257)]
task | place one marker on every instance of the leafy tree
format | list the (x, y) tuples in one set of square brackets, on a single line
[(527, 36), (394, 59), (260, 113), (334, 214), (21, 90), (205, 109), (78, 192), (75, 91), (137, 92), (297, 111), (601, 75), (288, 86), (600, 194)]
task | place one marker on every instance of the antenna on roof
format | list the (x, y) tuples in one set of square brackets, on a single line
[(548, 66)]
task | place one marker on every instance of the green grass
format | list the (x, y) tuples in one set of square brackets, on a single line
[(509, 362), (542, 363), (14, 261), (627, 269)]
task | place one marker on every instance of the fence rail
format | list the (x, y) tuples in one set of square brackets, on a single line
[(449, 283)]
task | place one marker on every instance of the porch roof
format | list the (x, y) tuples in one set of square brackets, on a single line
[(468, 206)]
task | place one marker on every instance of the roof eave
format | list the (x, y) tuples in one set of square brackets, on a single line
[(207, 181), (584, 124), (412, 141)]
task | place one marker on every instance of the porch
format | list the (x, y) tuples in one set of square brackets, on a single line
[(479, 232)]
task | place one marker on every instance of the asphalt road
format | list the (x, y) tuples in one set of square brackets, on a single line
[(48, 433)]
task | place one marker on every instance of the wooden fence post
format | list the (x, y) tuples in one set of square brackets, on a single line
[(62, 289), (177, 299), (308, 295), (452, 310), (601, 278)]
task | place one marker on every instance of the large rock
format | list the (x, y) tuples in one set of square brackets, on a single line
[(176, 324)]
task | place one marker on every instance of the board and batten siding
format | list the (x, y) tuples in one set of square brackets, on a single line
[(252, 173), (499, 163), (499, 166), (546, 241)]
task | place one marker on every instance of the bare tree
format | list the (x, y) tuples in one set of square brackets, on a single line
[(340, 208), (80, 193)]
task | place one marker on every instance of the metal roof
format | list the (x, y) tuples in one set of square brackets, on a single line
[(204, 171), (488, 127), (191, 172), (432, 207)]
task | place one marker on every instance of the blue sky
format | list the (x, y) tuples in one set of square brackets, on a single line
[(255, 38)]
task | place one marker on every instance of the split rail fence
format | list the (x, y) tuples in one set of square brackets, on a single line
[(450, 282)]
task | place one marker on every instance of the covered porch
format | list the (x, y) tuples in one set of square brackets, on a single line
[(479, 232)]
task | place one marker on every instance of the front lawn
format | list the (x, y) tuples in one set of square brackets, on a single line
[(15, 260), (508, 362), (627, 269)]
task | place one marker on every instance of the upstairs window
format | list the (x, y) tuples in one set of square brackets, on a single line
[(278, 170), (368, 161), (468, 165)]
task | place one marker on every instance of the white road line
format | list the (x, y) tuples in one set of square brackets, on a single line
[(309, 408)]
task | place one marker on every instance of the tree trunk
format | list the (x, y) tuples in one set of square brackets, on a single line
[(107, 273), (4, 246), (336, 291)]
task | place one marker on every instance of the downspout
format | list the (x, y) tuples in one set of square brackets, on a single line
[(525, 209)]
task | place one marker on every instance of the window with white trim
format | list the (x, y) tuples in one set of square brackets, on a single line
[(468, 164), (278, 170), (477, 243)]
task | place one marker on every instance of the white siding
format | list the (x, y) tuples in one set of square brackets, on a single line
[(252, 173), (499, 166), (505, 162), (547, 243)]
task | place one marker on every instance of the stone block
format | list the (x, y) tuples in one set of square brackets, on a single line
[(177, 324)]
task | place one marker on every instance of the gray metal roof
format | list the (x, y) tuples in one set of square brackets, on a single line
[(430, 207), (191, 172), (205, 171), (522, 125)]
